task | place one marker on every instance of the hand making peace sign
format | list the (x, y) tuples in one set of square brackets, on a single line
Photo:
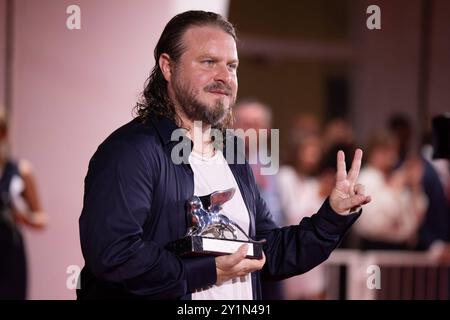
[(347, 196)]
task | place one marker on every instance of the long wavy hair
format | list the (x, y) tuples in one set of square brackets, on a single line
[(155, 100)]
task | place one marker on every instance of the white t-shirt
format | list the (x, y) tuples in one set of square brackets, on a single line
[(214, 174)]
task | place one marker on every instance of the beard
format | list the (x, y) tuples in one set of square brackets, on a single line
[(195, 109)]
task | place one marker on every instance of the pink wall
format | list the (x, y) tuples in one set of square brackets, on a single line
[(71, 89), (2, 51)]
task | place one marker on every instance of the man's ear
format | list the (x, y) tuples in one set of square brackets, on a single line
[(165, 64)]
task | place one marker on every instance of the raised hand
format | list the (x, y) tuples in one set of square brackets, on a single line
[(347, 196)]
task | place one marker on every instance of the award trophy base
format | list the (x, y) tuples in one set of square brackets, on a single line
[(200, 245)]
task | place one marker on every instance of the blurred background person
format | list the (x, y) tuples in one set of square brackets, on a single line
[(19, 204), (304, 123), (393, 218), (302, 196), (435, 227), (337, 132), (255, 115), (437, 152)]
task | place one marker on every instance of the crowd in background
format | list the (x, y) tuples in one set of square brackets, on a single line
[(410, 207), (410, 190)]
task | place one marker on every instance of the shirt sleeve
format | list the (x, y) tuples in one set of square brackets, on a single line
[(117, 202)]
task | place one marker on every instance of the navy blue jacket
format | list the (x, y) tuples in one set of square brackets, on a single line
[(134, 204)]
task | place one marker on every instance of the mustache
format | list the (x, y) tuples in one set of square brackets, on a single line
[(219, 86)]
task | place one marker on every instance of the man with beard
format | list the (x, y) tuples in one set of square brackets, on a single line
[(135, 193)]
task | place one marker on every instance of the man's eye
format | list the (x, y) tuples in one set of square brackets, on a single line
[(208, 62), (233, 66)]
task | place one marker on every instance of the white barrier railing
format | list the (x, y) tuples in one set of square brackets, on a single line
[(367, 275)]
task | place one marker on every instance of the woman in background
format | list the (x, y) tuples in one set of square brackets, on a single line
[(19, 204), (393, 218), (300, 188)]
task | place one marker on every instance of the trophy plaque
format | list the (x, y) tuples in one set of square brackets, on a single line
[(211, 232)]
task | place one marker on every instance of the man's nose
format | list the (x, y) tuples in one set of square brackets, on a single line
[(223, 74)]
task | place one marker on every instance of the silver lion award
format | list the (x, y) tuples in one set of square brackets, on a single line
[(211, 232)]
